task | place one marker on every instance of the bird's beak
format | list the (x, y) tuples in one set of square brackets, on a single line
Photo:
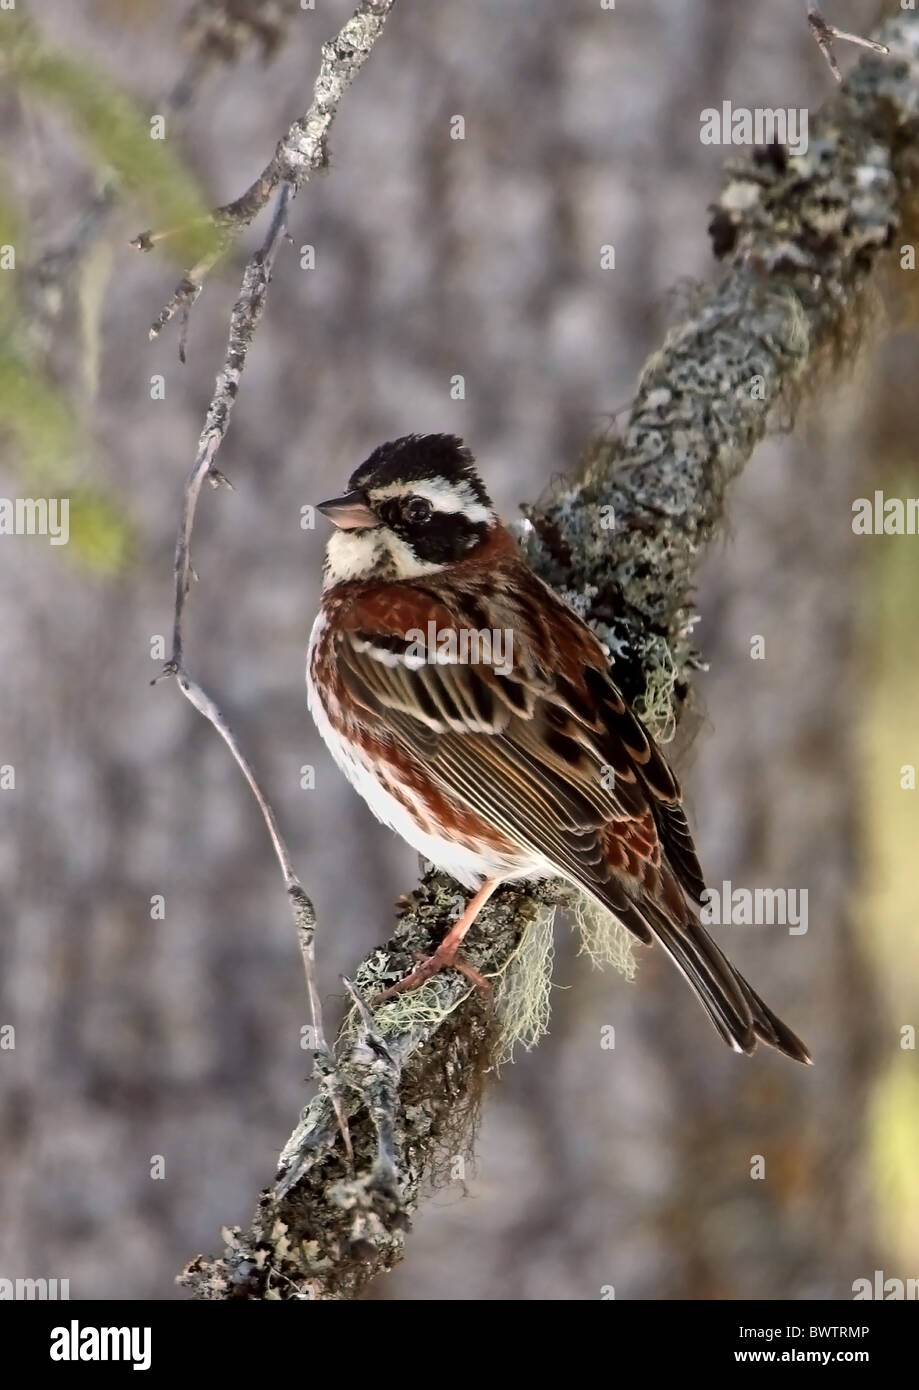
[(350, 512)]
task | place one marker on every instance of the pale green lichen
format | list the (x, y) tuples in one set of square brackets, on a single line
[(523, 989), (604, 940), (522, 986)]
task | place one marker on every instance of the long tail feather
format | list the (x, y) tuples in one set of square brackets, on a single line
[(732, 1004)]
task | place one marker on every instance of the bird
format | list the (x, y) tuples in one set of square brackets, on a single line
[(478, 716)]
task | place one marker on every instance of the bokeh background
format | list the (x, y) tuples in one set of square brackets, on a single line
[(137, 1037)]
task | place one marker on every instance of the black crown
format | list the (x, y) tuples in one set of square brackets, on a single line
[(420, 457)]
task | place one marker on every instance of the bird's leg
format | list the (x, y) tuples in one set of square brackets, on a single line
[(447, 953)]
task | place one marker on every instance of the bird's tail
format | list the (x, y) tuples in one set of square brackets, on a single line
[(733, 1005)]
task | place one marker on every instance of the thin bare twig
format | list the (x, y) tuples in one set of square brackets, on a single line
[(826, 34), (247, 312), (341, 61), (244, 320), (303, 150), (381, 1091)]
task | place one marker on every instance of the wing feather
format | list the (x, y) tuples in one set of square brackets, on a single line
[(556, 762), (554, 767)]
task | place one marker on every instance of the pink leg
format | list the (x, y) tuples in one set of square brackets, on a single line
[(447, 953)]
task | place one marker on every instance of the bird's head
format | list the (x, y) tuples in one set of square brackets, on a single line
[(413, 507)]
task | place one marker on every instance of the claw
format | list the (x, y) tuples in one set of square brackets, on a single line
[(427, 967)]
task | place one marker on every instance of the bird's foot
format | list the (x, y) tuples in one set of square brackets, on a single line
[(446, 957)]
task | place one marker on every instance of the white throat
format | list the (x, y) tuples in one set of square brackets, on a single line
[(376, 554)]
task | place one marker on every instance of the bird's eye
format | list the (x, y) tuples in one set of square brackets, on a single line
[(417, 510)]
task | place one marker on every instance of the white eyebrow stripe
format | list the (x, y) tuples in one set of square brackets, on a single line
[(443, 497)]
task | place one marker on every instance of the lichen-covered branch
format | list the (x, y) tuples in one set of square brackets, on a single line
[(802, 241)]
